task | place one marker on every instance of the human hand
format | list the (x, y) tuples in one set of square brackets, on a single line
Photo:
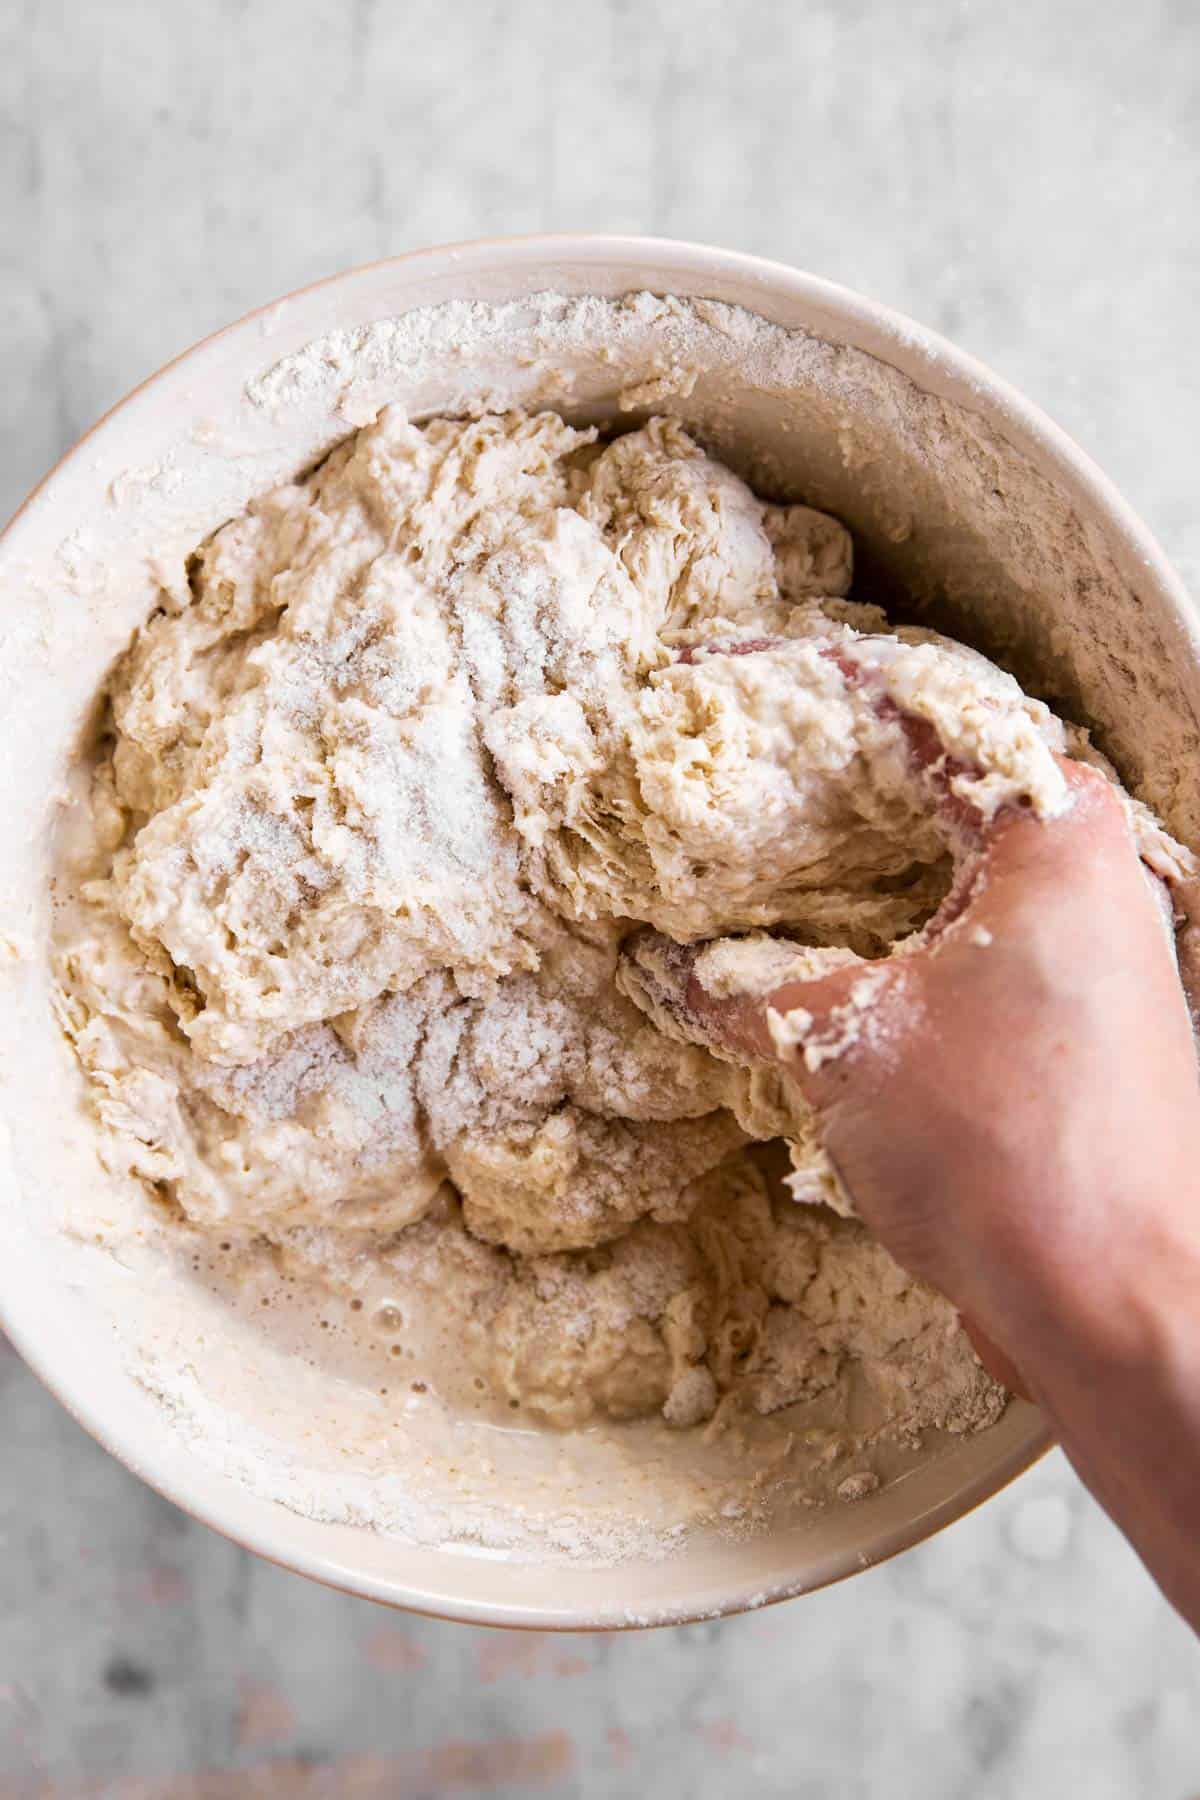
[(1013, 1103)]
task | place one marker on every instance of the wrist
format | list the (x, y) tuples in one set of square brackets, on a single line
[(1121, 1309)]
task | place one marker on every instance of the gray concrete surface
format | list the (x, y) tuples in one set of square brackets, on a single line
[(1027, 179)]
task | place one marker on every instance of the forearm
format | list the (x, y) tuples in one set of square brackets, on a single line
[(1134, 1439), (1076, 1253), (1121, 1385)]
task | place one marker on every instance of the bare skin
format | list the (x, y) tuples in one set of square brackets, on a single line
[(1022, 1129)]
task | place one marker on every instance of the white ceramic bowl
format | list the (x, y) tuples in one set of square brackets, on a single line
[(960, 494)]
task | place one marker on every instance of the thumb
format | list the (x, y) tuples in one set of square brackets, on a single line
[(815, 1012)]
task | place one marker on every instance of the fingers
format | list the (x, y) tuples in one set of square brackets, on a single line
[(866, 675), (1053, 902), (696, 653), (942, 774), (825, 1013), (961, 774)]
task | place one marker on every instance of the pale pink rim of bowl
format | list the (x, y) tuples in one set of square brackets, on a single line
[(563, 262)]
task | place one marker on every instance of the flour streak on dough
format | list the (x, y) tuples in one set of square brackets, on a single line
[(379, 800)]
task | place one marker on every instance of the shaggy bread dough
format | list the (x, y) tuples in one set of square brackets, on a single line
[(439, 725)]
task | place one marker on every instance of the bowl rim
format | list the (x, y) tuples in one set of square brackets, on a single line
[(939, 360)]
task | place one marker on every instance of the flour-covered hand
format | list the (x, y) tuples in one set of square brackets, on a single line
[(1011, 1101)]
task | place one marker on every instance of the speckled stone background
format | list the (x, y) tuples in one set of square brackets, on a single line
[(1024, 177)]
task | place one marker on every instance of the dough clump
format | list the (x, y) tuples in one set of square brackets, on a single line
[(440, 724)]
